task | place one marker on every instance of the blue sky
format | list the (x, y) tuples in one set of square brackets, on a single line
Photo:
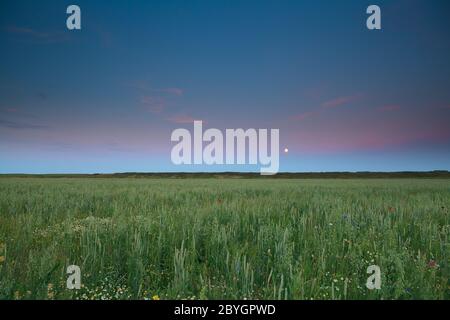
[(106, 98)]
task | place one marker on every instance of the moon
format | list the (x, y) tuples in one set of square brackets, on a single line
[(286, 150)]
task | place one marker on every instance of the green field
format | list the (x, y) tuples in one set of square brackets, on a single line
[(224, 238)]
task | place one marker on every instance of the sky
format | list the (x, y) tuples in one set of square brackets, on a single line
[(107, 97)]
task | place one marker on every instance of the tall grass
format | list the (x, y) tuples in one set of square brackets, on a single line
[(224, 238)]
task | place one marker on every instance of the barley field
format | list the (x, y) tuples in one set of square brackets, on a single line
[(224, 238)]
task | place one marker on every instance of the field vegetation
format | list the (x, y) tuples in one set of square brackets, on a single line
[(212, 238)]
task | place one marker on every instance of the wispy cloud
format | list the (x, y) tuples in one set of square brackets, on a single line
[(17, 113), (20, 125), (172, 91), (155, 100), (37, 35), (323, 142), (304, 115), (339, 101), (389, 108), (153, 104), (182, 119), (11, 110), (147, 88), (27, 31)]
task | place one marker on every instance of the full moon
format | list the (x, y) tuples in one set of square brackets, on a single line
[(286, 150)]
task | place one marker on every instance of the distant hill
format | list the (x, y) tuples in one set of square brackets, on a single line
[(245, 175)]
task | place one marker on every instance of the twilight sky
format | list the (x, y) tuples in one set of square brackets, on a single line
[(106, 98)]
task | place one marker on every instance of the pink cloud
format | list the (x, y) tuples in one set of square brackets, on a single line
[(327, 105), (40, 36), (17, 112), (304, 115), (389, 108), (340, 101), (145, 87), (172, 91), (182, 119), (27, 31), (154, 104), (368, 135)]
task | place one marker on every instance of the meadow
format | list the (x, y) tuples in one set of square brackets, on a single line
[(197, 238)]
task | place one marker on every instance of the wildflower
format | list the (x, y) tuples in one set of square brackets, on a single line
[(432, 264), (50, 292), (155, 297)]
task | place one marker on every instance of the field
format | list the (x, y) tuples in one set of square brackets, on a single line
[(153, 238)]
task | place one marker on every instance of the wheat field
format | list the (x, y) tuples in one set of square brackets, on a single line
[(224, 238)]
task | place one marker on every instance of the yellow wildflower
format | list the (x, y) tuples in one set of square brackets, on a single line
[(155, 297)]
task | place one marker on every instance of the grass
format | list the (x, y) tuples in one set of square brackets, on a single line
[(224, 238)]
